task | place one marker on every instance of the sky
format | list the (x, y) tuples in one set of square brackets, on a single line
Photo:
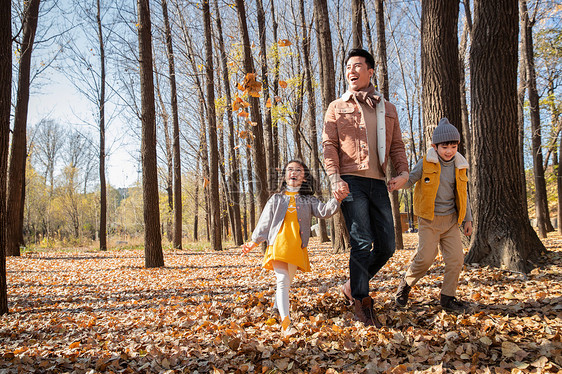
[(59, 101)]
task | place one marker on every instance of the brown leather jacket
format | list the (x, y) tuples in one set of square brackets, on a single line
[(345, 141)]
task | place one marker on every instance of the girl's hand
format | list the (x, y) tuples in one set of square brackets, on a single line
[(248, 247)]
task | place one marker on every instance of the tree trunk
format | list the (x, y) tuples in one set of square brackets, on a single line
[(255, 112), (541, 203), (268, 125), (559, 190), (103, 188), (521, 91), (356, 26), (169, 157), (215, 210), (234, 177), (18, 153), (502, 236), (466, 137), (440, 65), (313, 133), (340, 239), (153, 256), (5, 106), (277, 63), (385, 90), (177, 236)]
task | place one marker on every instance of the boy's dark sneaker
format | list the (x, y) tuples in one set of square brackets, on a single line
[(402, 294), (451, 304)]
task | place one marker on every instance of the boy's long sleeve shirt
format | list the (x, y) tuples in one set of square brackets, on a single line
[(445, 199)]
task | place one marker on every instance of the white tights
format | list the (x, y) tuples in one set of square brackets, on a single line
[(284, 273)]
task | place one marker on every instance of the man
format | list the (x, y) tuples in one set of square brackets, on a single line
[(361, 132)]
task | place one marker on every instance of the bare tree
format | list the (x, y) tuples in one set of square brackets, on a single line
[(541, 203), (313, 131), (153, 256), (18, 152), (176, 131), (215, 223), (234, 177), (440, 66), (384, 87), (327, 73), (260, 167), (356, 26), (5, 104), (502, 235), (101, 108)]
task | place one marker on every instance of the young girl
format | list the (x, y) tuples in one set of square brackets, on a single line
[(285, 225)]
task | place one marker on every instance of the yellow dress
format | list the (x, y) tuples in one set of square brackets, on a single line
[(287, 246)]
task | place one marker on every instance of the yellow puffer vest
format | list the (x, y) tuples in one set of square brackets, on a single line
[(425, 190)]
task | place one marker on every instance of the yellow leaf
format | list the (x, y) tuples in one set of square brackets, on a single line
[(20, 350), (283, 84), (284, 43), (271, 322), (268, 104), (240, 87), (286, 322)]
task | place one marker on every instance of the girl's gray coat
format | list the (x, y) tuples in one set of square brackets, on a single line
[(274, 212)]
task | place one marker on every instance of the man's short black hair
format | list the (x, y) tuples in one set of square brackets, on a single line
[(361, 53)]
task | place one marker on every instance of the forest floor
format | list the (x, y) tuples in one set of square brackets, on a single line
[(85, 311)]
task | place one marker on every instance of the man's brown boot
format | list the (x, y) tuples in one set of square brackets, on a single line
[(364, 312)]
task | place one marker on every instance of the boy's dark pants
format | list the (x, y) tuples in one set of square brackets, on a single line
[(442, 230), (368, 217)]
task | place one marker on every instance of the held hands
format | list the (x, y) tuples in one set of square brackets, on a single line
[(248, 247), (397, 183), (341, 190), (467, 228)]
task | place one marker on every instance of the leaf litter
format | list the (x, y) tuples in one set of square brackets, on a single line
[(86, 311)]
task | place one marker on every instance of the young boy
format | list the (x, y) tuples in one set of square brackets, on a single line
[(441, 204)]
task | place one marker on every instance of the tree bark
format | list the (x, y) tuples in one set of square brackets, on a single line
[(268, 125), (234, 177), (153, 256), (177, 236), (5, 105), (255, 112), (385, 89), (215, 213), (440, 65), (356, 25), (103, 188), (313, 133), (340, 240), (503, 236), (541, 203), (276, 64), (18, 153)]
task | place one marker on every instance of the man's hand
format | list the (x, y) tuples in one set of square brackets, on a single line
[(248, 247), (397, 183), (340, 190), (467, 228)]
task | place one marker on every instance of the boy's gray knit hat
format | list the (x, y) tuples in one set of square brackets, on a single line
[(445, 132)]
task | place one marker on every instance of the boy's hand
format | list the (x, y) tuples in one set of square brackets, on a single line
[(468, 228), (396, 183), (248, 247)]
